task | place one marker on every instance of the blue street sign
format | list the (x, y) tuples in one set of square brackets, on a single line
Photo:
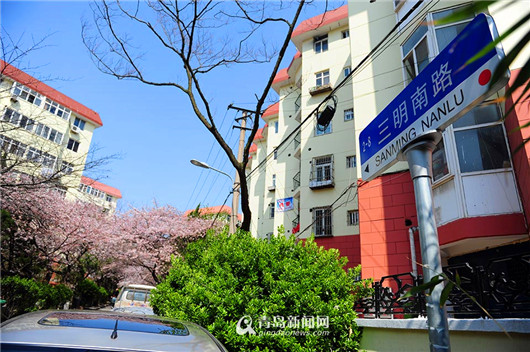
[(437, 97)]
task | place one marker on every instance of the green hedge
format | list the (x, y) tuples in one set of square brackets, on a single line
[(223, 279), (26, 295), (89, 294)]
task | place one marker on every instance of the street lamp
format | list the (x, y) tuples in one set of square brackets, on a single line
[(233, 215)]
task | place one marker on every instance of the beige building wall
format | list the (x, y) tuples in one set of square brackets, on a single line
[(295, 157)]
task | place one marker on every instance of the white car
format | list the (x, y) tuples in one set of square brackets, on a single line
[(134, 296), (88, 331)]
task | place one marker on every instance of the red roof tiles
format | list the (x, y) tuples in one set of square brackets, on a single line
[(44, 89), (272, 110), (101, 186), (321, 20)]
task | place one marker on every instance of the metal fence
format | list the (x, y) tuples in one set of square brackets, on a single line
[(500, 288)]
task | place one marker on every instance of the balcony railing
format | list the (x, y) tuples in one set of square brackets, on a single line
[(297, 140), (501, 286), (296, 181), (320, 89), (297, 103)]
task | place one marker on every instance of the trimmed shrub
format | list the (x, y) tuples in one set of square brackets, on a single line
[(26, 295), (225, 282), (89, 294)]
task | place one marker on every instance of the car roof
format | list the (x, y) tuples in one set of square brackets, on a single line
[(143, 287), (93, 330)]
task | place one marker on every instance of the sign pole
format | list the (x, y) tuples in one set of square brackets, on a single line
[(419, 157)]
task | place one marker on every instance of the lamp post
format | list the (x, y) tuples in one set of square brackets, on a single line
[(233, 215)]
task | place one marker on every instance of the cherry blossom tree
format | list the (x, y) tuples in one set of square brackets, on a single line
[(46, 234), (145, 240)]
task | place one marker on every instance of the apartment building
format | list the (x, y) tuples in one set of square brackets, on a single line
[(480, 185), (308, 184), (46, 134), (310, 180)]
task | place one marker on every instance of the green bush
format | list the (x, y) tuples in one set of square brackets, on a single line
[(223, 278), (89, 294), (26, 295)]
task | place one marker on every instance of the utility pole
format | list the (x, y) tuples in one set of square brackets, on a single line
[(237, 182), (236, 192)]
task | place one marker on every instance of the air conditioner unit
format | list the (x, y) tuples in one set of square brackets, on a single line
[(75, 129), (14, 98)]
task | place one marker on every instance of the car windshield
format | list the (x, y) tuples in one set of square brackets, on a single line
[(124, 323)]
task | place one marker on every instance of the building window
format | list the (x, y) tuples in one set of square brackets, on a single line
[(440, 168), (274, 180), (271, 210), (108, 198), (17, 119), (11, 146), (320, 43), (33, 154), (426, 40), (353, 218), (320, 130), (79, 123), (48, 160), (275, 154), (345, 34), (351, 161), (49, 133), (67, 168), (322, 78), (322, 225), (347, 71), (348, 114), (27, 94), (322, 169), (480, 140), (72, 145), (276, 127), (57, 109)]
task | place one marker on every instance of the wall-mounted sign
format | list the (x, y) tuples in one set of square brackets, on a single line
[(438, 96)]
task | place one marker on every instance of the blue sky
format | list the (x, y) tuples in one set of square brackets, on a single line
[(153, 129)]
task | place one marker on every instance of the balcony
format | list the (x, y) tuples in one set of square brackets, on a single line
[(320, 89), (296, 181)]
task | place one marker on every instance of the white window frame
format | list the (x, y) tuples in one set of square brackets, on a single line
[(27, 94), (79, 123), (348, 114), (322, 168), (320, 44), (347, 71), (322, 78), (345, 33), (75, 145), (276, 126), (57, 109)]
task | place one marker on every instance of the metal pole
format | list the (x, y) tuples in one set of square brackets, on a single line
[(413, 251), (235, 196), (419, 157)]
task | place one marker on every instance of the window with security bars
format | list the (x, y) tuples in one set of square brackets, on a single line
[(353, 218), (351, 161), (322, 225), (322, 168)]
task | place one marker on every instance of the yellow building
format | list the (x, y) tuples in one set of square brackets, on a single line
[(44, 133), (310, 166)]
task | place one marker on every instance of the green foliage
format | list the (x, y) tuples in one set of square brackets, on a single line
[(26, 295), (89, 294), (222, 278)]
